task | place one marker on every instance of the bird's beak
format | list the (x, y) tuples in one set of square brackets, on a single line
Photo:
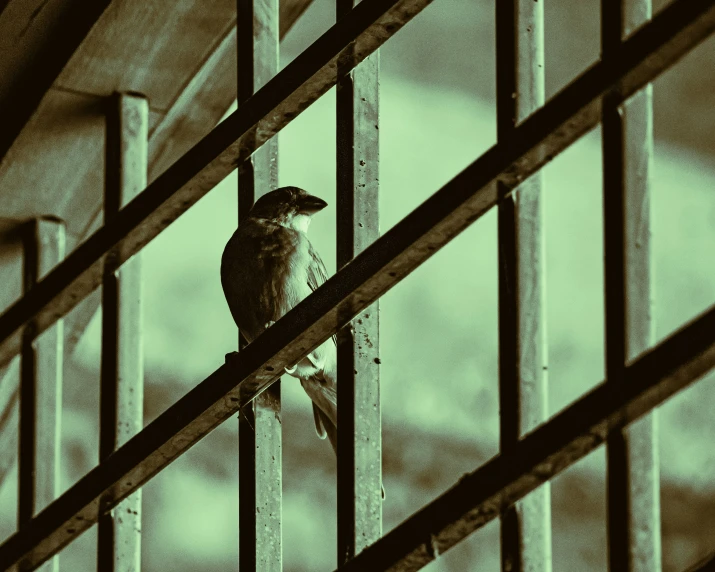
[(311, 204)]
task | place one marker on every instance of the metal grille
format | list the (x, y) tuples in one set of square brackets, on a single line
[(614, 92)]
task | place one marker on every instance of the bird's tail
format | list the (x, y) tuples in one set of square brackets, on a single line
[(323, 422), (325, 411)]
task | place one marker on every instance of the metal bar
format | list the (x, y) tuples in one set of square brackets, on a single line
[(62, 39), (523, 391), (634, 536), (482, 495), (260, 466), (409, 243), (122, 362), (358, 226), (677, 28), (40, 407)]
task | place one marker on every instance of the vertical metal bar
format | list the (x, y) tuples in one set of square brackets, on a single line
[(525, 527), (627, 138), (358, 225), (260, 465), (122, 367), (40, 386)]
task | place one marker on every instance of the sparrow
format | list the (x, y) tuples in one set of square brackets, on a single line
[(268, 266)]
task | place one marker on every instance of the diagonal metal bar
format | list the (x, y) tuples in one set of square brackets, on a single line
[(433, 224), (482, 495), (273, 107)]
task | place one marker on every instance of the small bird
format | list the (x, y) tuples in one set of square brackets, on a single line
[(267, 268)]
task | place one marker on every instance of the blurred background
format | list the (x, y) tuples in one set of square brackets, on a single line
[(439, 326)]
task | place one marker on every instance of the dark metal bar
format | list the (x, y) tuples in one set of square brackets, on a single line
[(627, 137), (260, 465), (40, 410), (63, 37), (481, 496), (525, 526), (122, 362), (567, 116), (358, 226), (677, 28)]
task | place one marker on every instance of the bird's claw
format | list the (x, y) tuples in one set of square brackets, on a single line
[(291, 370), (269, 324)]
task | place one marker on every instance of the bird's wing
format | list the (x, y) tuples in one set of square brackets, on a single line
[(317, 274)]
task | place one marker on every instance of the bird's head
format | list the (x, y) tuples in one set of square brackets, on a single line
[(288, 206)]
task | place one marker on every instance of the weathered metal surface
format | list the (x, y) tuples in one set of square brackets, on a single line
[(440, 218), (523, 390), (358, 226), (40, 410), (260, 440), (481, 496), (122, 362), (633, 483)]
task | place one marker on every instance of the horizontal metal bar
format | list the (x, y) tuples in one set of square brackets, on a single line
[(273, 107), (373, 272), (482, 495)]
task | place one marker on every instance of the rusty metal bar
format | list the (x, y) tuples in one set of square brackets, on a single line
[(523, 391), (40, 408), (260, 465), (358, 226), (295, 88), (69, 28), (481, 496), (634, 536), (543, 135), (122, 362)]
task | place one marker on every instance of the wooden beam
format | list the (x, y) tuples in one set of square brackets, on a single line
[(38, 43)]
